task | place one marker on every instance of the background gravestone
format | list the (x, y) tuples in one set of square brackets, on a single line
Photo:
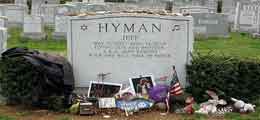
[(15, 14), (247, 16), (61, 20), (37, 5), (210, 24), (20, 2), (48, 13), (94, 1), (3, 21), (2, 10), (140, 45), (196, 9), (3, 39), (228, 7), (33, 27), (61, 27)]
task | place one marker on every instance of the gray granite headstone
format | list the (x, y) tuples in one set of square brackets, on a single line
[(61, 26), (3, 39), (248, 16), (37, 5), (196, 9), (20, 2), (3, 21), (128, 46), (211, 24), (33, 27), (61, 19), (48, 13), (15, 14), (229, 8)]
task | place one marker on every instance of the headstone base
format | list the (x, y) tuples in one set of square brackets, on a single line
[(36, 36), (59, 36)]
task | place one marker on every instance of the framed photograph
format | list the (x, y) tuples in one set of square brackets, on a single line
[(103, 89), (141, 85)]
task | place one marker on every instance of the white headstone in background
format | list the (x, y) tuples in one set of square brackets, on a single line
[(247, 16), (15, 14), (37, 4), (61, 27), (94, 1), (3, 39), (196, 9), (33, 27), (65, 9), (20, 2), (48, 13), (128, 46), (3, 21), (210, 24), (2, 10)]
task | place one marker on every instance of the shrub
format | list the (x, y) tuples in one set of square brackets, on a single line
[(15, 80), (239, 78), (23, 83)]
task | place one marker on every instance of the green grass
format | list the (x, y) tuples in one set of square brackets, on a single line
[(46, 45), (3, 117), (238, 45)]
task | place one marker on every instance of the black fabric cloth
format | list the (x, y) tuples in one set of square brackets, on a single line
[(55, 73)]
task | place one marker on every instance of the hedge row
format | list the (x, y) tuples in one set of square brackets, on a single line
[(15, 80), (239, 78)]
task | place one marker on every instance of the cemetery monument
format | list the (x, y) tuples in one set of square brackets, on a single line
[(128, 46)]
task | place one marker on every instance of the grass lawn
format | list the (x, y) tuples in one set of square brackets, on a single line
[(237, 45), (46, 45)]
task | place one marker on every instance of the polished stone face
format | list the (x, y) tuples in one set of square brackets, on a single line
[(128, 46)]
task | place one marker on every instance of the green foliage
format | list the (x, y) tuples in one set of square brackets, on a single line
[(18, 79), (237, 116), (3, 117), (55, 103), (239, 78), (15, 80)]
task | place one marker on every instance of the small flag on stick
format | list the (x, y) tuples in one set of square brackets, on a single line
[(175, 88)]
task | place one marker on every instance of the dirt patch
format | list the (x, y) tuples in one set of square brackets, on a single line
[(23, 113)]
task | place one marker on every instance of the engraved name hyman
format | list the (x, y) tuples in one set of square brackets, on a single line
[(118, 27)]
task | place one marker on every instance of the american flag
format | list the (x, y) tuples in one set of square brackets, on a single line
[(175, 88)]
